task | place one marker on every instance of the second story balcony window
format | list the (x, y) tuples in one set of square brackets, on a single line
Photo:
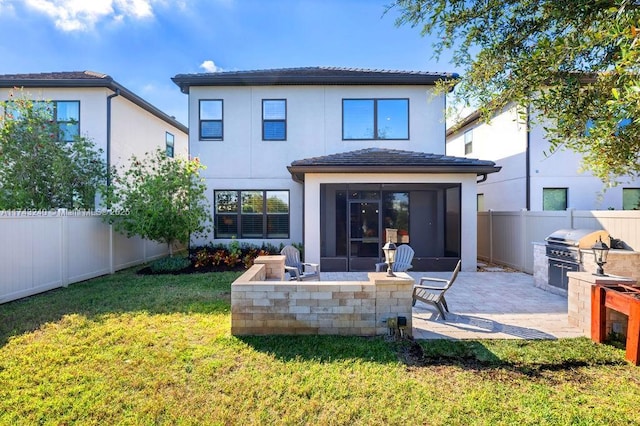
[(365, 119)]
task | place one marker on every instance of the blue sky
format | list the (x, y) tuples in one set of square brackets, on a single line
[(143, 43)]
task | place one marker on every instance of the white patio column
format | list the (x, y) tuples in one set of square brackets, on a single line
[(312, 218), (469, 225)]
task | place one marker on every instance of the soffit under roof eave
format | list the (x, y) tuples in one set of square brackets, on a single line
[(58, 83), (298, 172), (185, 81)]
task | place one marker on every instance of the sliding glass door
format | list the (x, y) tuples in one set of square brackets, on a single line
[(364, 238)]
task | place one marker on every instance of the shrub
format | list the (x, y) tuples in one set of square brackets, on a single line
[(169, 264), (218, 257), (221, 256), (232, 260), (201, 258)]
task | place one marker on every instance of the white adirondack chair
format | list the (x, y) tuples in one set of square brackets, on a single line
[(404, 257), (298, 270)]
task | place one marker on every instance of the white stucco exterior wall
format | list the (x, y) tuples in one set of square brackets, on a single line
[(314, 126), (134, 130), (504, 141), (93, 110), (243, 161)]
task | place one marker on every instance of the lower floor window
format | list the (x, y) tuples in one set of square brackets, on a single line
[(554, 198), (631, 198), (251, 214)]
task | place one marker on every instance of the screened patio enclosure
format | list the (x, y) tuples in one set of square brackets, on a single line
[(353, 202), (358, 219)]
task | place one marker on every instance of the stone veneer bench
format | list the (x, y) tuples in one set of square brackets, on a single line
[(262, 303)]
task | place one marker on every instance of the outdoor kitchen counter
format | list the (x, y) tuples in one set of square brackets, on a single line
[(624, 263), (579, 301)]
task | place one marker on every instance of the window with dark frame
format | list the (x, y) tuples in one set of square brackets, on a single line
[(274, 119), (630, 198), (66, 114), (365, 119), (554, 198), (169, 144), (468, 142), (211, 119), (251, 214)]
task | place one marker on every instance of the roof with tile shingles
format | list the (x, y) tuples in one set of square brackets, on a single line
[(382, 160), (311, 76), (78, 79)]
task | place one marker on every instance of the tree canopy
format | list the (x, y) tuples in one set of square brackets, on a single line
[(159, 198), (576, 63), (39, 170)]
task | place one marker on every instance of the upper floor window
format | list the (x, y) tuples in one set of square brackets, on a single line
[(169, 144), (468, 142), (211, 113), (554, 198), (66, 114), (375, 119), (631, 198), (274, 119)]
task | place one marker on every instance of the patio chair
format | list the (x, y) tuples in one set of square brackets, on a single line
[(434, 295), (404, 257), (298, 270)]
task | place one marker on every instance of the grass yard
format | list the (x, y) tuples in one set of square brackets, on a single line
[(129, 349)]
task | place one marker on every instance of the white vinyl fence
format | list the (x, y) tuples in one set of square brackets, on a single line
[(43, 250), (506, 237)]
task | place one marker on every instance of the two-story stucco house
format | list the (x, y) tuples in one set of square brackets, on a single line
[(531, 178), (333, 157), (93, 105)]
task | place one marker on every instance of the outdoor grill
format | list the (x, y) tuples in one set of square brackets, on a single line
[(563, 251)]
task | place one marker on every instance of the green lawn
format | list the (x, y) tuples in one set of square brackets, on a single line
[(128, 349)]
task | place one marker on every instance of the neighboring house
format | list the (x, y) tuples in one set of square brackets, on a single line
[(332, 157), (95, 106), (531, 178)]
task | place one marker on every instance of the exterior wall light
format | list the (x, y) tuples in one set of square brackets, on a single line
[(600, 252), (389, 250)]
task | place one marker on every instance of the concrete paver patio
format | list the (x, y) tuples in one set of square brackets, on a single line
[(487, 305)]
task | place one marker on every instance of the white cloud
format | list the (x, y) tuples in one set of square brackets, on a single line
[(139, 9), (210, 66), (83, 15)]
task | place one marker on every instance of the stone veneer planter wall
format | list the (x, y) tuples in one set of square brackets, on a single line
[(262, 304)]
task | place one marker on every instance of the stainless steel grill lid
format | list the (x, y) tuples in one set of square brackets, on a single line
[(581, 238)]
